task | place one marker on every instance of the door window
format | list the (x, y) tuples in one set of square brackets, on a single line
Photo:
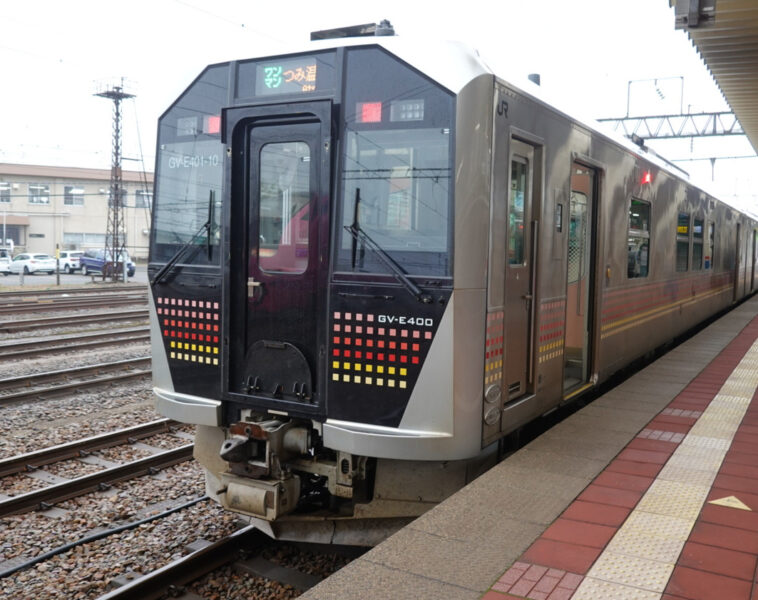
[(284, 207), (516, 213)]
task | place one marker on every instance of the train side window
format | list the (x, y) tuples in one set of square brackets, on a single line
[(697, 244), (711, 246), (682, 242), (638, 244)]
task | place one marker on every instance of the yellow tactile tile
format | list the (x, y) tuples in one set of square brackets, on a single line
[(674, 498), (732, 402), (697, 461), (713, 428), (740, 386), (709, 456), (723, 413), (694, 476), (671, 528), (711, 442), (632, 571), (646, 544), (593, 589)]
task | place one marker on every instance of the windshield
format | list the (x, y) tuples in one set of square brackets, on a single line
[(396, 167), (189, 172), (403, 182)]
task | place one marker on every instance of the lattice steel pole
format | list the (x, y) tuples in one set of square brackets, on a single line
[(114, 238)]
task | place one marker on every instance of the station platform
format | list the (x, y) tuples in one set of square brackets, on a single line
[(649, 492)]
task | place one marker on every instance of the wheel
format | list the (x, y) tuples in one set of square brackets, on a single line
[(50, 272), (26, 270), (67, 270), (84, 270)]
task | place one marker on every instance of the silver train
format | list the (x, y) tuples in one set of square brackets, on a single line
[(373, 259)]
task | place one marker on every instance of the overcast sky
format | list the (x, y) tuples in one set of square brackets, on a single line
[(55, 55)]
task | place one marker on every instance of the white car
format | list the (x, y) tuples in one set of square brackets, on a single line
[(5, 261), (31, 263), (69, 260)]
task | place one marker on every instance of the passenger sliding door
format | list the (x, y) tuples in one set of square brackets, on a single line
[(521, 231), (579, 278), (279, 224)]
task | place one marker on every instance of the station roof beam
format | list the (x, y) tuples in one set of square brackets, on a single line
[(725, 33)]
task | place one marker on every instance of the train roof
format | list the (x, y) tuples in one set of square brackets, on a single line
[(454, 64)]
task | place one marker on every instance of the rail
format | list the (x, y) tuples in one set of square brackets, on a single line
[(68, 321), (78, 448), (47, 497), (65, 343), (125, 369)]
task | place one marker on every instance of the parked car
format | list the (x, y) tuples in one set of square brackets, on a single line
[(5, 261), (31, 263), (69, 260), (99, 261)]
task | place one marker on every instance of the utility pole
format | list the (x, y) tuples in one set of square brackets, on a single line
[(114, 232)]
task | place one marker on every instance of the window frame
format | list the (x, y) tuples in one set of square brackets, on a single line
[(70, 199), (683, 238), (711, 244), (639, 234), (40, 199), (698, 241)]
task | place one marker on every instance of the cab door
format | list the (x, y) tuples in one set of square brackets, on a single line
[(278, 269)]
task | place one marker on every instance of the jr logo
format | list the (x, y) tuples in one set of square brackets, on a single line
[(502, 109)]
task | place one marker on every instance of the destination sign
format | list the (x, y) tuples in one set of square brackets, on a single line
[(291, 76)]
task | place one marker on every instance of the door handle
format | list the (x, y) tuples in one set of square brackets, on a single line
[(252, 288), (527, 296)]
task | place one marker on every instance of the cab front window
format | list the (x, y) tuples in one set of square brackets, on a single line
[(396, 188)]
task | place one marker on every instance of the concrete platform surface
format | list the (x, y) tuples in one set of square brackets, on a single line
[(613, 502)]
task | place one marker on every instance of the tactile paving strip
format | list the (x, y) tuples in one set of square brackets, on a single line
[(639, 559), (631, 571), (594, 589)]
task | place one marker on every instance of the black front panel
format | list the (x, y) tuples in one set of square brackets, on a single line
[(188, 310), (379, 340)]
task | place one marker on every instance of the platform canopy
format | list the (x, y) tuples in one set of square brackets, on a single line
[(725, 33)]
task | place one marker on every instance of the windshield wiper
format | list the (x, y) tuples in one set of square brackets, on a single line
[(206, 227), (359, 233)]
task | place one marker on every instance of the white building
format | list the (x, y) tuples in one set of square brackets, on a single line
[(43, 206)]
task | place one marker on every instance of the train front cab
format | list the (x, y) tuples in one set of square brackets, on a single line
[(330, 382)]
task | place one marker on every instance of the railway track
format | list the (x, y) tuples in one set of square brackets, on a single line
[(34, 460), (47, 303), (242, 552), (63, 343), (45, 498), (68, 321), (67, 292), (53, 383)]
